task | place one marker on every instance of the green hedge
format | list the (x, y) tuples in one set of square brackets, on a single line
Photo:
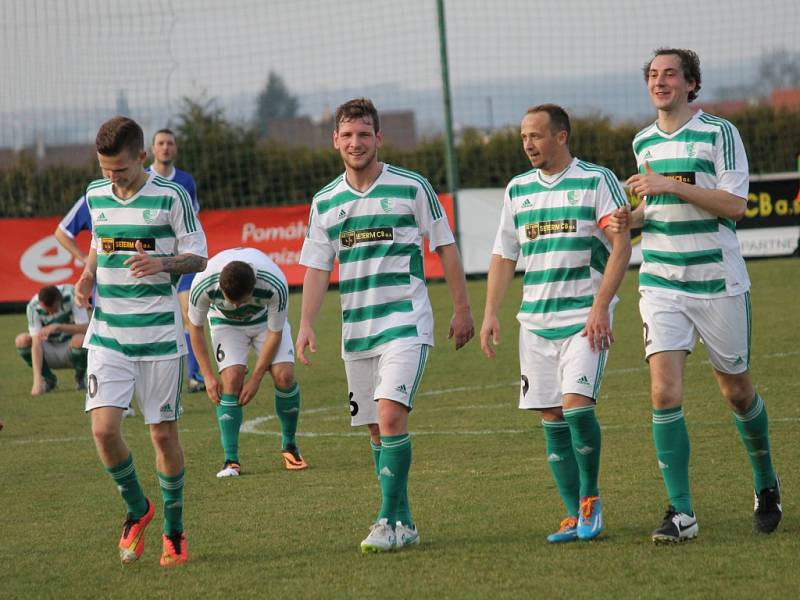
[(234, 168)]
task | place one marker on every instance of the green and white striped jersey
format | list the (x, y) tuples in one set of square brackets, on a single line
[(377, 237), (140, 318), (69, 312), (686, 249), (555, 225), (267, 306)]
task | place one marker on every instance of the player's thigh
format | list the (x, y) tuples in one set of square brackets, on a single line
[(362, 381), (110, 380), (158, 389), (666, 324), (540, 385), (231, 345), (285, 353), (400, 371), (57, 355), (581, 367), (724, 325)]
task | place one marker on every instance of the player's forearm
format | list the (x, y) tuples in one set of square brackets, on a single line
[(197, 337), (637, 216), (90, 264), (267, 354), (498, 280), (71, 328), (69, 244), (183, 263), (37, 357), (315, 284), (454, 276), (615, 270), (718, 202)]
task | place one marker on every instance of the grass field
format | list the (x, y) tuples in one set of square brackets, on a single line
[(480, 487)]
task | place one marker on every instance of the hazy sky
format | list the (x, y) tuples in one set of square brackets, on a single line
[(75, 57)]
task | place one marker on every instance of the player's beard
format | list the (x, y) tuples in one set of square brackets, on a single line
[(363, 162)]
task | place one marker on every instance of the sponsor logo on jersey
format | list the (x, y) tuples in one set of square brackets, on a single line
[(101, 218), (583, 380), (534, 230), (683, 176), (348, 239), (526, 203), (647, 155), (110, 245), (342, 214)]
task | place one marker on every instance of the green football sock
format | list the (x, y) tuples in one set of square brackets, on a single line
[(376, 457), (586, 441), (287, 407), (563, 466), (394, 466), (671, 439), (229, 418), (79, 358), (27, 356), (403, 507), (124, 475), (172, 494), (753, 428)]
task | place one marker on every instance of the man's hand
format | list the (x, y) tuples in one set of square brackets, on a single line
[(46, 331), (490, 332), (619, 221), (83, 289), (462, 327), (649, 183), (598, 329), (212, 388), (307, 337), (142, 264), (38, 388), (249, 390)]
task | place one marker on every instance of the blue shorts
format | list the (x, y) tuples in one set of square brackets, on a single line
[(185, 282)]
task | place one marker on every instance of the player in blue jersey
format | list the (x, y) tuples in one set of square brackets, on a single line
[(165, 151), (76, 220)]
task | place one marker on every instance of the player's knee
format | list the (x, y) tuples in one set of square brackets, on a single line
[(23, 340), (283, 378), (105, 435), (666, 394), (739, 397), (162, 438)]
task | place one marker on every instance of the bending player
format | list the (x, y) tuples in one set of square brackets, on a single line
[(244, 295)]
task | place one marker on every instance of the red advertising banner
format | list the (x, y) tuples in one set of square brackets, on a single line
[(32, 257)]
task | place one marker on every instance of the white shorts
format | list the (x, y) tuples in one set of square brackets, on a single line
[(57, 356), (393, 375), (552, 368), (232, 344), (112, 378), (675, 322)]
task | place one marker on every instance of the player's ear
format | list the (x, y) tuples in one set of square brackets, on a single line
[(379, 137), (335, 139)]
